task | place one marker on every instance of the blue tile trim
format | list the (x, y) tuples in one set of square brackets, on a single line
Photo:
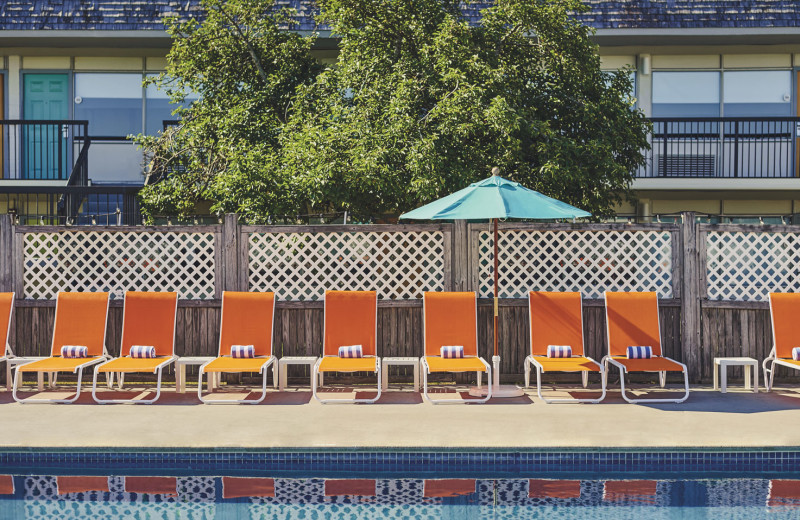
[(407, 463)]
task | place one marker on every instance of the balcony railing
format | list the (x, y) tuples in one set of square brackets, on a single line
[(72, 205), (723, 147), (44, 150)]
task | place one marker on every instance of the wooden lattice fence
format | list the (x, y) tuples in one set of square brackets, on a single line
[(711, 279)]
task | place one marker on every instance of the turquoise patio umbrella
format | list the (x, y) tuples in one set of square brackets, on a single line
[(492, 199)]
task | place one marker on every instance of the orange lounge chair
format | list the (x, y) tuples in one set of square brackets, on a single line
[(247, 319), (6, 309), (81, 319), (148, 319), (451, 318), (632, 320), (784, 309), (351, 318), (557, 319)]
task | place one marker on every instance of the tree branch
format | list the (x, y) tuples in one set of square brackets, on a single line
[(251, 50)]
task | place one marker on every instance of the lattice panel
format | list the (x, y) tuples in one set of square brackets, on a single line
[(119, 261), (587, 261), (747, 266), (399, 265)]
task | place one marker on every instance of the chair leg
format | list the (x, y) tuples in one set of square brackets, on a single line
[(662, 378), (772, 376), (585, 378), (527, 373)]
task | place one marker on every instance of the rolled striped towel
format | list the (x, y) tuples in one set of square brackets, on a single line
[(350, 351), (243, 351), (559, 351), (143, 351), (74, 351), (452, 351), (640, 352), (796, 353)]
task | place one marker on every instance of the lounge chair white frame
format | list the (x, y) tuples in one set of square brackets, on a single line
[(531, 360), (426, 369), (769, 373), (315, 374), (262, 370), (662, 375), (158, 370), (78, 369)]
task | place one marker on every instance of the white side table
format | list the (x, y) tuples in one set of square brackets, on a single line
[(296, 360), (180, 372), (721, 364), (398, 361)]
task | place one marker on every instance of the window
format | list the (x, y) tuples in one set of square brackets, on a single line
[(686, 94), (112, 103), (757, 93), (159, 109)]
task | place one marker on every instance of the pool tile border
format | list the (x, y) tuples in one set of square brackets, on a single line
[(406, 463)]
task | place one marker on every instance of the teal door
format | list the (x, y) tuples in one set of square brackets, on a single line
[(46, 97)]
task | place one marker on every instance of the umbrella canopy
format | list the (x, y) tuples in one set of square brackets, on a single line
[(495, 197)]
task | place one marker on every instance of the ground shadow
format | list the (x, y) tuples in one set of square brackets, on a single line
[(399, 397), (290, 398), (738, 402)]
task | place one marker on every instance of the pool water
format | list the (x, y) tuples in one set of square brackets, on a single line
[(234, 498)]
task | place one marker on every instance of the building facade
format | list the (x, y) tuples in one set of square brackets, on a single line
[(719, 78)]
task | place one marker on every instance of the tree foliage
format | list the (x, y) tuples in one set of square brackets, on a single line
[(419, 105), (246, 67)]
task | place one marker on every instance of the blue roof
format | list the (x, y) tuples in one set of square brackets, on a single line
[(604, 14)]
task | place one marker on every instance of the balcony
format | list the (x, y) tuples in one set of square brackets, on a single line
[(35, 151), (694, 152)]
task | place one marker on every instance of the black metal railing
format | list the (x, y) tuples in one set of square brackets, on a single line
[(724, 147), (72, 205), (44, 150)]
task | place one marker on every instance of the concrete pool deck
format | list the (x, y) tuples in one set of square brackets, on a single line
[(403, 419)]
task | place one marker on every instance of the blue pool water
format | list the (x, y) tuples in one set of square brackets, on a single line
[(408, 484), (219, 498)]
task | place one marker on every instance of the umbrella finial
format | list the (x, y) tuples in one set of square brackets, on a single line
[(496, 171)]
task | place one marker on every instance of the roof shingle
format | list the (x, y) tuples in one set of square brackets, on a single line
[(604, 14)]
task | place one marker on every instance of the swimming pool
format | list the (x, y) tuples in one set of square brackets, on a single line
[(235, 498), (415, 484)]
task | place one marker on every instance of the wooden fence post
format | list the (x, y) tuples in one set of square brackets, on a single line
[(690, 297), (461, 267), (230, 253), (6, 253)]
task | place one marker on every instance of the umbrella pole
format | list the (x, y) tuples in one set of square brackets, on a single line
[(496, 357)]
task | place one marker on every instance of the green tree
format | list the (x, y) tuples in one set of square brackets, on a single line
[(420, 104), (222, 156)]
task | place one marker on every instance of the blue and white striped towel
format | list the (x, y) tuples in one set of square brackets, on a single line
[(452, 351), (243, 351), (640, 352), (74, 351), (143, 351), (796, 353), (350, 351), (559, 351)]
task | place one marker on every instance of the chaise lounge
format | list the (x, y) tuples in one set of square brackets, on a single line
[(634, 341), (148, 341), (245, 341), (556, 326), (79, 335)]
